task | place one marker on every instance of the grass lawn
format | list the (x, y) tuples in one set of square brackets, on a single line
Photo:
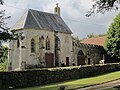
[(110, 89), (79, 83)]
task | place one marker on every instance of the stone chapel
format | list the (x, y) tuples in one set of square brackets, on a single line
[(44, 40)]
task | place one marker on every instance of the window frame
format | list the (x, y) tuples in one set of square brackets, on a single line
[(47, 43), (32, 45)]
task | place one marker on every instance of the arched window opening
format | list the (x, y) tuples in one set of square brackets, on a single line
[(47, 44), (80, 53), (58, 43), (32, 45), (18, 43), (41, 42)]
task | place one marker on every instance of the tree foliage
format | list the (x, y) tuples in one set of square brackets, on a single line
[(101, 6), (91, 35), (112, 45), (1, 2), (3, 54), (4, 30), (3, 57)]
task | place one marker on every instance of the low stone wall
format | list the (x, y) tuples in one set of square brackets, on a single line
[(29, 78)]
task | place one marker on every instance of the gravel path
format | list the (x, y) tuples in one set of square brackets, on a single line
[(102, 86)]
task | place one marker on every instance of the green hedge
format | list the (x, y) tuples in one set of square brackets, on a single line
[(29, 78)]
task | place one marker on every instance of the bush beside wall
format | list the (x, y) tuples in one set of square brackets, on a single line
[(29, 78)]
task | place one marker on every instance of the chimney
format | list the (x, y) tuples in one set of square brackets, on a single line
[(57, 10)]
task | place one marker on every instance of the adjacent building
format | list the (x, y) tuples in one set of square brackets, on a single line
[(89, 51)]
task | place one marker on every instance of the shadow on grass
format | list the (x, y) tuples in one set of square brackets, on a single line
[(55, 87)]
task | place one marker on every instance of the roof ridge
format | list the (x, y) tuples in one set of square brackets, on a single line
[(43, 12)]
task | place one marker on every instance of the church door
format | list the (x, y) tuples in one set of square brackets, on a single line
[(49, 60), (80, 58), (88, 61), (67, 61)]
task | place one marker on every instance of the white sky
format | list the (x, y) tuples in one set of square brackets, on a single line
[(72, 11)]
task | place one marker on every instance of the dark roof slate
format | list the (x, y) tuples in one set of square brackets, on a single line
[(33, 19)]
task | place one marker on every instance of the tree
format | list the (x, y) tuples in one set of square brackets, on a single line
[(4, 30), (1, 2), (3, 54), (112, 45), (101, 6), (75, 38), (3, 58), (91, 35)]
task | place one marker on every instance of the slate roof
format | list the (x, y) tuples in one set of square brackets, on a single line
[(34, 19), (95, 41)]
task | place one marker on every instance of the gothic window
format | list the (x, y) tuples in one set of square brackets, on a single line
[(41, 42), (76, 44), (73, 43), (47, 44), (18, 43), (32, 45), (58, 43)]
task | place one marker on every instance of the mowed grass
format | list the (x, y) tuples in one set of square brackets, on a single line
[(109, 89), (80, 82)]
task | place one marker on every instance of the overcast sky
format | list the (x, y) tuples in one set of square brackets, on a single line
[(72, 11)]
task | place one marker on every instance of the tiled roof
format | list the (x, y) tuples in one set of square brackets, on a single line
[(95, 41), (33, 19)]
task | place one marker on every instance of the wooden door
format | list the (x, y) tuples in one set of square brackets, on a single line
[(80, 58), (67, 61), (49, 60)]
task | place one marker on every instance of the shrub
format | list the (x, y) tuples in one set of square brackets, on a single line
[(35, 77)]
